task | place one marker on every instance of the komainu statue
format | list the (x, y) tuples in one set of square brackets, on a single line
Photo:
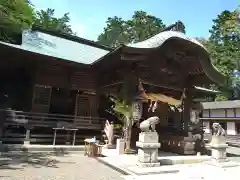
[(218, 130), (148, 125)]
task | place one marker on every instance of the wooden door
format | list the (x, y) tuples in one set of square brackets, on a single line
[(41, 98), (86, 105), (82, 106)]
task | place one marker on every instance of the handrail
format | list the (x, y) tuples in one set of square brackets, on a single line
[(49, 120), (50, 114)]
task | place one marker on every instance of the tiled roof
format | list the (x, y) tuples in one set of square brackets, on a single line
[(221, 104), (46, 44)]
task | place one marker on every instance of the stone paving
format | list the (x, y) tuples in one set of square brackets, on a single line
[(47, 166), (43, 166)]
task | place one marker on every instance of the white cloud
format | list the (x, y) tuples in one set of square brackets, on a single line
[(87, 30)]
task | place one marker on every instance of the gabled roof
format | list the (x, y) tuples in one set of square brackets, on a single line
[(73, 49)]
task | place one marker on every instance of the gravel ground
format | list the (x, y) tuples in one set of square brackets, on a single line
[(42, 166), (46, 166)]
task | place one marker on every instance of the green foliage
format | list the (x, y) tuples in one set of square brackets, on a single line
[(47, 20), (224, 48), (15, 15), (122, 109), (140, 27)]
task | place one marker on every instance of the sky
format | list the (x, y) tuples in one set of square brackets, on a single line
[(88, 17)]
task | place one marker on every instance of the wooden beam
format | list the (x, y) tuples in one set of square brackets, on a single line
[(133, 57), (162, 77), (112, 84), (200, 80), (157, 84)]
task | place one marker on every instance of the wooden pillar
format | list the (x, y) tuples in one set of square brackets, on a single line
[(187, 109), (186, 113)]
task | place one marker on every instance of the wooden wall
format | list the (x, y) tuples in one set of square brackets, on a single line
[(56, 75), (68, 77)]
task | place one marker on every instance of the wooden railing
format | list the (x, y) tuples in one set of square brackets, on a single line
[(11, 117), (37, 128)]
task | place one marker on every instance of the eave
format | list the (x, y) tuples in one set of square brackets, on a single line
[(138, 51)]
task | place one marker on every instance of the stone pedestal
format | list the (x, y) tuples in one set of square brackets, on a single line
[(120, 146), (218, 147), (148, 149)]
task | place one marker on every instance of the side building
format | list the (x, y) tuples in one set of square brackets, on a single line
[(49, 78), (227, 113)]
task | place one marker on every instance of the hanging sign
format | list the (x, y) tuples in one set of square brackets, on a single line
[(137, 110)]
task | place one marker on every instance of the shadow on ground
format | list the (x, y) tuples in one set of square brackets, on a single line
[(20, 160)]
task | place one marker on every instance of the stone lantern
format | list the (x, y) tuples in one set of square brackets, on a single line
[(137, 108), (137, 104)]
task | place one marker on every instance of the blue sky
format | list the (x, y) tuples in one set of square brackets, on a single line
[(88, 17)]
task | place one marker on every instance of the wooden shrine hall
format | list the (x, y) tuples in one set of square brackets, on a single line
[(168, 63), (46, 85)]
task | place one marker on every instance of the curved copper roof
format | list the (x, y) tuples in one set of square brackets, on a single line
[(160, 39)]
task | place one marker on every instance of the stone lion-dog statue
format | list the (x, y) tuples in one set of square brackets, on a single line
[(218, 130), (148, 125)]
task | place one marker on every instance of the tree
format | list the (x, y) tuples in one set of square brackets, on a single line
[(15, 15), (139, 28), (224, 48), (143, 26), (224, 42), (47, 20), (124, 112), (115, 33)]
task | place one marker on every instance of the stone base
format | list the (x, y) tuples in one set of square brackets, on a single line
[(148, 148), (148, 137), (219, 154), (147, 155), (223, 163), (143, 165)]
